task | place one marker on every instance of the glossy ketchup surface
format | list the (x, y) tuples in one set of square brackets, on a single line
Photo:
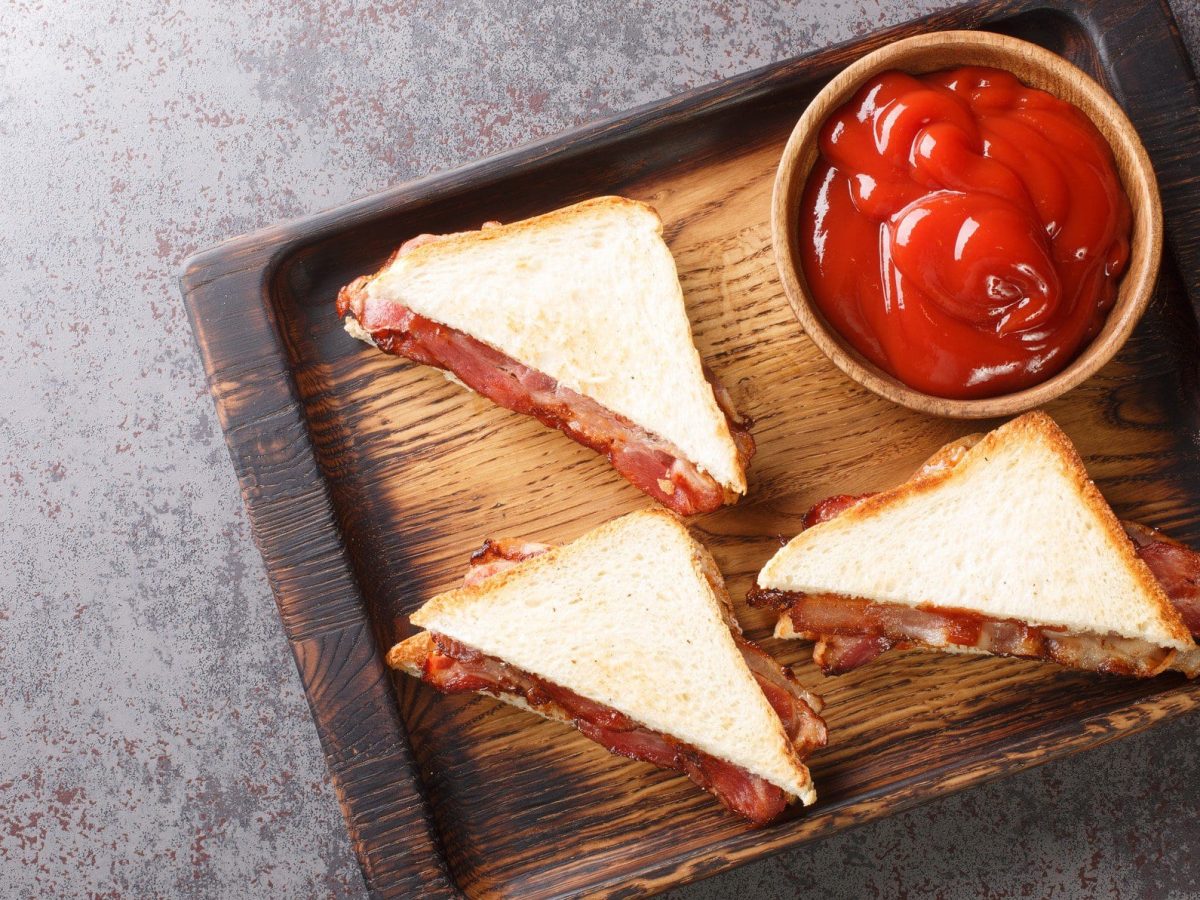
[(963, 231)]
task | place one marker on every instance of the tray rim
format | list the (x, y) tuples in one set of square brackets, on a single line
[(269, 248)]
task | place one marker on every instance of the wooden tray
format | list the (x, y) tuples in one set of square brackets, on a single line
[(369, 480)]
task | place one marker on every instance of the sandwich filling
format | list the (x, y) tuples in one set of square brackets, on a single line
[(653, 464), (453, 667), (851, 632)]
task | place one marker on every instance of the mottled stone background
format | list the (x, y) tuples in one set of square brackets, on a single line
[(153, 736)]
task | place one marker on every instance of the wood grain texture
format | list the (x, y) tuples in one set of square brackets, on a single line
[(369, 480)]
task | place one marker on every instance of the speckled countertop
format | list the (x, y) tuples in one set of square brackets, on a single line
[(154, 739)]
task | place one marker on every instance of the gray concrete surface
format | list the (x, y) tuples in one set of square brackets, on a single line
[(154, 740)]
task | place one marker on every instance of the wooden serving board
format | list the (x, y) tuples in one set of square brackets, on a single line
[(369, 480)]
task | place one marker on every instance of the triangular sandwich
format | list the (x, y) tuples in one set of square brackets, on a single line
[(999, 544), (627, 634), (575, 317)]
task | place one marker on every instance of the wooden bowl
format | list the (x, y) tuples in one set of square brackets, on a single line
[(1038, 68)]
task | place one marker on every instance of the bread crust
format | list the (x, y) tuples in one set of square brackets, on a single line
[(716, 455), (442, 243), (702, 563), (409, 655), (1032, 426)]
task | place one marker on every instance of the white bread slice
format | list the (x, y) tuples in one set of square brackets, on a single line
[(1014, 529), (626, 616), (409, 657), (588, 295)]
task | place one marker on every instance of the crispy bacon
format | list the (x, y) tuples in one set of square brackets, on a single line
[(838, 653), (832, 507), (651, 463), (1176, 567), (852, 632), (798, 709), (635, 743), (748, 795), (456, 668), (496, 556)]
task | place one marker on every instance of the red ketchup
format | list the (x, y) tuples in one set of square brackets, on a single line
[(963, 231)]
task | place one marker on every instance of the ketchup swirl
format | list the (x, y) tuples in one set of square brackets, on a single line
[(963, 231)]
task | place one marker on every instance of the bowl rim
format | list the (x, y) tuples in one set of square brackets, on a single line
[(1136, 285)]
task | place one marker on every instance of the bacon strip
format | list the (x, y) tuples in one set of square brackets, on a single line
[(495, 557), (831, 508), (1176, 567), (852, 632), (798, 710), (838, 653), (455, 668), (653, 464)]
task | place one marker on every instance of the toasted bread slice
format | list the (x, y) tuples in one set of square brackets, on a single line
[(409, 657), (630, 616), (587, 295), (1010, 528)]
